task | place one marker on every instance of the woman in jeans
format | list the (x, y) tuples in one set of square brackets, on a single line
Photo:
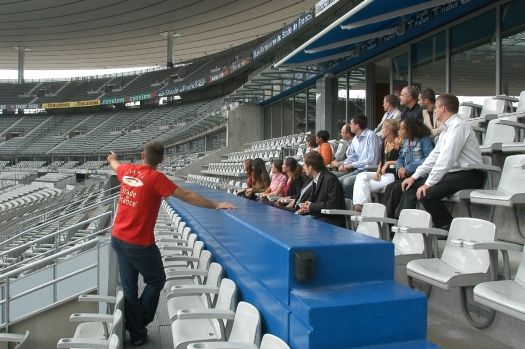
[(416, 146)]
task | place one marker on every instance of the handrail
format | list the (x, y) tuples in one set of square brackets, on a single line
[(47, 259), (3, 253), (15, 265), (68, 215)]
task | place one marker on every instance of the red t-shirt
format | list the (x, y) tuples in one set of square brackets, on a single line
[(141, 191)]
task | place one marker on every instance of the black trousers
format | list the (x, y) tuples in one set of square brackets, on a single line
[(392, 197), (448, 185)]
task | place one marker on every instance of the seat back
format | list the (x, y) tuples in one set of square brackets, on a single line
[(513, 176), (409, 243), (472, 229), (114, 342), (492, 106), (269, 341), (213, 279), (23, 343), (498, 133), (340, 148), (371, 228), (521, 103), (226, 300), (246, 325), (117, 328), (465, 112), (520, 274)]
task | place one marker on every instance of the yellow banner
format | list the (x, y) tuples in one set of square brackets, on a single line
[(77, 104)]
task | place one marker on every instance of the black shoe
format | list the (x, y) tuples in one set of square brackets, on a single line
[(139, 341)]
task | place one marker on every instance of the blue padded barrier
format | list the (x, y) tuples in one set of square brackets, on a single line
[(352, 299)]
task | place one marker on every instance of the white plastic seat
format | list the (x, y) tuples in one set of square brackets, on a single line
[(194, 272), (506, 296), (205, 324), (195, 295), (370, 228), (457, 266), (19, 339), (498, 133), (246, 327), (114, 342), (269, 341), (408, 237)]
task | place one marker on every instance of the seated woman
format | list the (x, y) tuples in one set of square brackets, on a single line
[(324, 191), (371, 182), (278, 180), (261, 179), (416, 146), (324, 147), (311, 143), (249, 176), (294, 183)]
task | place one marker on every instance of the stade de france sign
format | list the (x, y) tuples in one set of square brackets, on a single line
[(324, 5)]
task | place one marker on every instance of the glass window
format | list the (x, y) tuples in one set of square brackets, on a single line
[(429, 64), (288, 122), (310, 117), (473, 57), (276, 120), (300, 112), (400, 72), (340, 107), (513, 48)]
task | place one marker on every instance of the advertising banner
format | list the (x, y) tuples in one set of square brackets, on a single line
[(75, 104)]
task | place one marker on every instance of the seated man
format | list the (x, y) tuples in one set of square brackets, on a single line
[(362, 154), (346, 136), (427, 99), (408, 98), (323, 192), (441, 174)]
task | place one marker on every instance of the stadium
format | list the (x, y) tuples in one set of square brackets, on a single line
[(305, 115)]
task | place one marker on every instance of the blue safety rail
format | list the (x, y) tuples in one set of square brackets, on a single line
[(350, 302)]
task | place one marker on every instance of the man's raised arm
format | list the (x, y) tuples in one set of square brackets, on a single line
[(112, 161), (197, 200)]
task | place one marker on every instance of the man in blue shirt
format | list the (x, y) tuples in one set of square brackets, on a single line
[(363, 153)]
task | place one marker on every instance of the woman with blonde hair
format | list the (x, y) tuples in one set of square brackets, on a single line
[(367, 183)]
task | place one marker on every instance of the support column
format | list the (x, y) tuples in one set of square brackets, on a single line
[(325, 102), (169, 59), (21, 58)]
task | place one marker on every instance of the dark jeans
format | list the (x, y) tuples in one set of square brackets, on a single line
[(448, 185), (134, 260), (392, 197)]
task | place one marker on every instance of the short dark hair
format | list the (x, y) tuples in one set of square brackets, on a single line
[(315, 160), (450, 102), (153, 153), (360, 120), (415, 128), (324, 135), (392, 100), (278, 164), (412, 91), (429, 94)]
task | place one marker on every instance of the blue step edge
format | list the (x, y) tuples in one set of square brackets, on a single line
[(417, 344)]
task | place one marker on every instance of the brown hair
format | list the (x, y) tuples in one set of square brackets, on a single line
[(153, 153), (450, 102), (315, 160)]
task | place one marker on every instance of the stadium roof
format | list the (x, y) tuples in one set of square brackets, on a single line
[(81, 34)]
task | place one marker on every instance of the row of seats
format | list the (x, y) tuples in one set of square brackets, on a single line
[(469, 257), (202, 303)]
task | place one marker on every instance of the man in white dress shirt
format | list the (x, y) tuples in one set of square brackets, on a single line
[(444, 171)]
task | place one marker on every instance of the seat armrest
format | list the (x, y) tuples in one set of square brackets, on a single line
[(512, 123), (97, 298), (176, 248), (374, 219), (481, 167), (478, 128), (12, 337), (180, 259), (90, 317), (191, 290), (340, 212), (506, 98), (173, 240), (83, 343), (191, 314), (496, 245), (222, 345), (471, 104), (176, 274), (429, 231)]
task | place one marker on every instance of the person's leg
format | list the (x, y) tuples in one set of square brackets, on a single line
[(376, 186), (408, 197), (448, 185), (154, 278), (129, 279), (348, 183), (362, 183)]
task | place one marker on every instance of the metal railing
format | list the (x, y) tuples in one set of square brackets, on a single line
[(7, 280)]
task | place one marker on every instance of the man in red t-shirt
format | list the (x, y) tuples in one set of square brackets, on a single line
[(141, 191)]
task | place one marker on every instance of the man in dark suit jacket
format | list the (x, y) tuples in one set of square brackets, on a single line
[(324, 191)]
